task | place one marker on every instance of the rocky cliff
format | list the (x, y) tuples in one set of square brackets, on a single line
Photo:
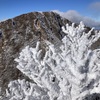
[(25, 30)]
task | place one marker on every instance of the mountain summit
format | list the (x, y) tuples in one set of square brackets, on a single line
[(27, 29)]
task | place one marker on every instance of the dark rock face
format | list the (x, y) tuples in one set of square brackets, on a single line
[(25, 30)]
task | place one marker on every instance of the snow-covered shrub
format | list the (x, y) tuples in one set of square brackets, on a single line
[(70, 73), (24, 90)]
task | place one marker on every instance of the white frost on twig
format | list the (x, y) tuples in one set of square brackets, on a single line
[(70, 73)]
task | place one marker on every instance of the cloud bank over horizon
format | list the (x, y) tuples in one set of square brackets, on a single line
[(76, 17)]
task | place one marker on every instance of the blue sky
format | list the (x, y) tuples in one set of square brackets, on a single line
[(12, 8)]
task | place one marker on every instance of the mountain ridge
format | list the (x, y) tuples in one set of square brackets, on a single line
[(23, 30)]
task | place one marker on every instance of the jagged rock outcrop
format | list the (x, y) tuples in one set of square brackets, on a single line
[(25, 30)]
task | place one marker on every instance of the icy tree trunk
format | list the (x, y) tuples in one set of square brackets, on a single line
[(70, 73)]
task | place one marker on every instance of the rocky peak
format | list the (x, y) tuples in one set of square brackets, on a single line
[(25, 30)]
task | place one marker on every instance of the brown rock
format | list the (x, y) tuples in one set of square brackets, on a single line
[(25, 30)]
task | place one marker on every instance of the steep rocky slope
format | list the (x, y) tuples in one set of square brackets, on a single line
[(25, 30)]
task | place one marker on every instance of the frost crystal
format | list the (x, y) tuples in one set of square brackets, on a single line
[(70, 73)]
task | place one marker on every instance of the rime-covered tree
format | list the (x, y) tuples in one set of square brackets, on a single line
[(68, 73)]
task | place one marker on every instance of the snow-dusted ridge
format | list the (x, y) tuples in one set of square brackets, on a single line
[(70, 73)]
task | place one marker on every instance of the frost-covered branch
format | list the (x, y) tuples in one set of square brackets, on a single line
[(24, 90), (70, 73)]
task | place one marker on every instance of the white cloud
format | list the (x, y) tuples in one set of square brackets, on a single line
[(95, 6), (76, 17), (95, 9)]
